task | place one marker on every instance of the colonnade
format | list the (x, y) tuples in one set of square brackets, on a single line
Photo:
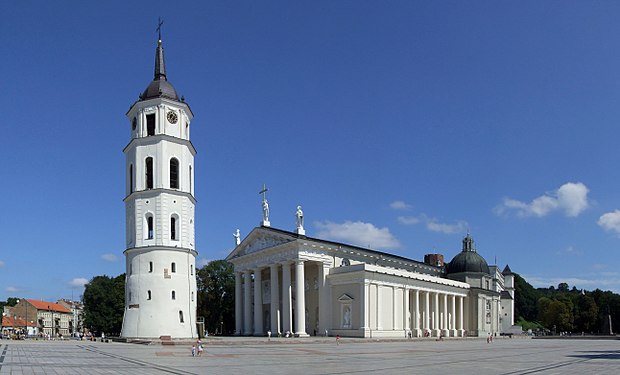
[(281, 314), (424, 312)]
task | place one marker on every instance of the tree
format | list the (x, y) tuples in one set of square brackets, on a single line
[(216, 291), (554, 313), (586, 314), (526, 298), (104, 304)]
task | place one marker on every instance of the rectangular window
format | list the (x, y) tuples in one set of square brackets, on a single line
[(150, 266), (173, 267), (181, 316), (150, 124)]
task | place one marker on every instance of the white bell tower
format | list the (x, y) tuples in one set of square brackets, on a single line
[(160, 287)]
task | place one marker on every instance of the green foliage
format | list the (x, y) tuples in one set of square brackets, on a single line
[(526, 325), (104, 304), (526, 297), (216, 296)]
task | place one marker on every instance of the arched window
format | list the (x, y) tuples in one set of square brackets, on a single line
[(133, 124), (181, 316), (130, 178), (149, 228), (190, 179), (150, 266), (173, 267), (149, 172), (148, 295), (174, 295), (150, 124), (174, 173), (173, 228)]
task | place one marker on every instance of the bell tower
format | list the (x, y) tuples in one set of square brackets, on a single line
[(160, 286)]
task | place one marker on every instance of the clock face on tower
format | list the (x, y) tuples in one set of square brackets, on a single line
[(172, 117)]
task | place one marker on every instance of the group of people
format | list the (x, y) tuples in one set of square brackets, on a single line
[(197, 349)]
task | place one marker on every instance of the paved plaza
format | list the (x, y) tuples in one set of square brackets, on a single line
[(315, 356)]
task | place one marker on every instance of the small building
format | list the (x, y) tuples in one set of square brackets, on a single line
[(77, 311), (17, 326), (50, 318)]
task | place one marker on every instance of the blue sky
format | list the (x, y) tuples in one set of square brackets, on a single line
[(396, 124)]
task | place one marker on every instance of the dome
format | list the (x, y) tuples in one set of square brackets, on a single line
[(160, 88), (467, 260)]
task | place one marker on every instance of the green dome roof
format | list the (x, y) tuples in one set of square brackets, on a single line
[(468, 260)]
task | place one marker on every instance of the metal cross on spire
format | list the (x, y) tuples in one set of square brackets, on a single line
[(263, 192), (158, 29)]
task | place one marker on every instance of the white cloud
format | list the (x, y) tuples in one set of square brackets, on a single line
[(408, 220), (399, 205), (78, 282), (433, 224), (201, 262), (357, 233), (570, 198), (12, 289), (109, 257), (610, 221), (1, 263), (569, 251)]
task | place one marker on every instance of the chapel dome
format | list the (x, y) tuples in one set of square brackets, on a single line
[(468, 260)]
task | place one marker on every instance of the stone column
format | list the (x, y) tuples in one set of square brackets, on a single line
[(258, 302), (247, 302), (363, 308), (416, 314), (325, 322), (406, 311), (445, 315), (427, 302), (238, 305), (300, 306), (453, 315), (287, 312), (394, 326), (461, 317), (275, 300), (436, 316), (378, 308)]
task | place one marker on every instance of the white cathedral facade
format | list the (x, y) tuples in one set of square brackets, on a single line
[(160, 288), (286, 282)]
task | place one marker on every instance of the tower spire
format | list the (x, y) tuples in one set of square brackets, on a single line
[(160, 66)]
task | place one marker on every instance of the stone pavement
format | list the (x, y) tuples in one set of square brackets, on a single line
[(315, 356)]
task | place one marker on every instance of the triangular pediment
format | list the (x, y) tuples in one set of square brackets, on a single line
[(259, 239), (345, 298)]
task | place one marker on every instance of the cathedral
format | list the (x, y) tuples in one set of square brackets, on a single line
[(287, 283)]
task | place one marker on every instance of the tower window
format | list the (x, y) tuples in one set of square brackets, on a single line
[(181, 316), (150, 124), (191, 269), (173, 228), (133, 124), (174, 295), (148, 295), (173, 267), (149, 225), (192, 296), (190, 179), (174, 173), (130, 178), (150, 266), (149, 173)]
